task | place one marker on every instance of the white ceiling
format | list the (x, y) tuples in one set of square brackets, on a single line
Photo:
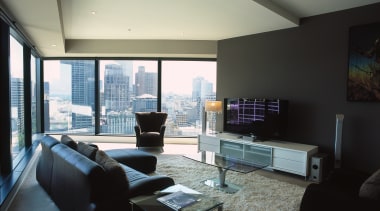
[(49, 24)]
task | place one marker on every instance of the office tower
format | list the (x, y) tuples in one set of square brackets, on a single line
[(202, 90), (116, 88), (17, 104), (145, 82), (82, 92)]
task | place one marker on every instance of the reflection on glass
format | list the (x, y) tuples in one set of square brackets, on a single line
[(17, 96)]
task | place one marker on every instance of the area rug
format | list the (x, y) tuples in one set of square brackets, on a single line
[(257, 193)]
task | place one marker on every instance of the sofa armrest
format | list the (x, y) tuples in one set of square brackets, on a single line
[(75, 179), (324, 197), (137, 130), (162, 130), (149, 185), (346, 179)]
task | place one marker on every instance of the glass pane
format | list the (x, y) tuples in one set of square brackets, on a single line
[(126, 87), (17, 96), (69, 96), (33, 93), (185, 87)]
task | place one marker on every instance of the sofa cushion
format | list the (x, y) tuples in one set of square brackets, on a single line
[(87, 150), (116, 179), (67, 140), (371, 187), (136, 159)]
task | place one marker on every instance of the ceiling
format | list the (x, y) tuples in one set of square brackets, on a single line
[(58, 27)]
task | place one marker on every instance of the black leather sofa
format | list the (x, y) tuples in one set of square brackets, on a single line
[(78, 176), (344, 189)]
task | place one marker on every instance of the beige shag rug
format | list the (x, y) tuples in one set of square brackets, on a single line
[(257, 193)]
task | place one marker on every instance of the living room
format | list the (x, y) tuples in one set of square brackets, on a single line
[(307, 65)]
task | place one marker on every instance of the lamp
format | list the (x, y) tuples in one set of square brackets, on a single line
[(213, 107)]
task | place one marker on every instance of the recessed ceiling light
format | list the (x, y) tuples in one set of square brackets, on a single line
[(53, 45), (93, 12)]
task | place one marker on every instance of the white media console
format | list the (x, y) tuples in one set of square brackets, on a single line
[(278, 155)]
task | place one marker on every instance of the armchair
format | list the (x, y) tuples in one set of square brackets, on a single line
[(150, 129)]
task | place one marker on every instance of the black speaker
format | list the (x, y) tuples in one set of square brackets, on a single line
[(317, 164)]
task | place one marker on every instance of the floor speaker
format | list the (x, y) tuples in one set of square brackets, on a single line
[(317, 164), (338, 140)]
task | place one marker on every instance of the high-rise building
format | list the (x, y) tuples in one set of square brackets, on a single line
[(145, 82), (202, 90), (82, 93), (116, 88), (17, 104)]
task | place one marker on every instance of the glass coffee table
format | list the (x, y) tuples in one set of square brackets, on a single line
[(150, 203), (224, 163)]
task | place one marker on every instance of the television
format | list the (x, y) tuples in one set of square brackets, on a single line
[(262, 118)]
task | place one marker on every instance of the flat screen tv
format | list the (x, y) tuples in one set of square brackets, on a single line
[(259, 117)]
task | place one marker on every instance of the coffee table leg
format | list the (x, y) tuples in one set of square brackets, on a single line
[(222, 177), (220, 182)]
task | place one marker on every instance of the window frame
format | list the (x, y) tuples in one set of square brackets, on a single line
[(97, 94)]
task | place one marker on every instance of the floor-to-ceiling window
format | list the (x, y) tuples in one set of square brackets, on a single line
[(126, 87), (17, 96), (69, 96), (185, 87), (178, 87), (18, 108)]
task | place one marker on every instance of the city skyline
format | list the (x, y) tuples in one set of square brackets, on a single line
[(172, 72)]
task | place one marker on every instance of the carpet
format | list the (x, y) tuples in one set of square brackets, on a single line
[(257, 193)]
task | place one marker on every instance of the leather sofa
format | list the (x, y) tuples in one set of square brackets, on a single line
[(344, 189), (78, 176)]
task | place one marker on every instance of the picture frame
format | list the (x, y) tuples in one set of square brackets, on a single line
[(363, 82)]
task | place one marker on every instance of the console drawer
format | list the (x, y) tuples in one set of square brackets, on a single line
[(289, 154), (289, 166)]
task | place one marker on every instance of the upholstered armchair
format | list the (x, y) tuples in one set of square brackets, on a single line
[(150, 129)]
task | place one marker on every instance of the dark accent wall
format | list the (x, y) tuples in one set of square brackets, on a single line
[(307, 65)]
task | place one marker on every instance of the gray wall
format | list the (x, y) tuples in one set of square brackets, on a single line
[(307, 65)]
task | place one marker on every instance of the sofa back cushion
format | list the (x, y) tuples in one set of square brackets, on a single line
[(116, 180), (67, 140), (371, 187), (87, 150)]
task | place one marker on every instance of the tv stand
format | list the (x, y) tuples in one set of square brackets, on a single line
[(281, 155)]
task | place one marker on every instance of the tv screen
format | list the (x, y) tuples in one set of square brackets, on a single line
[(262, 118)]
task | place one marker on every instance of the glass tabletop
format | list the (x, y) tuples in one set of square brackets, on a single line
[(150, 203), (224, 162)]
